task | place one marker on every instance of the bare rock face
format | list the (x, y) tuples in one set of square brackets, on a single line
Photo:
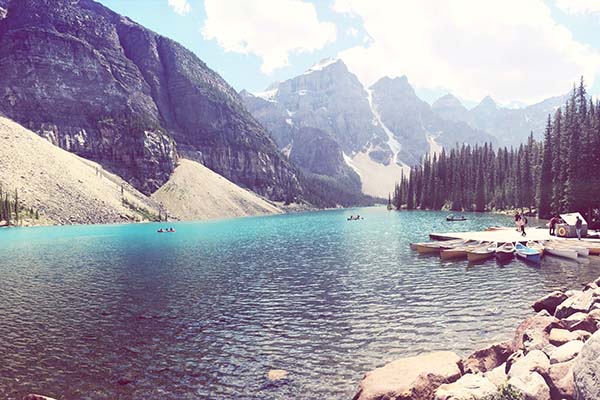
[(532, 386), (106, 88), (586, 370), (488, 358), (549, 302), (412, 378)]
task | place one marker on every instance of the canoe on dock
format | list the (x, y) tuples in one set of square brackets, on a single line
[(528, 254), (435, 247)]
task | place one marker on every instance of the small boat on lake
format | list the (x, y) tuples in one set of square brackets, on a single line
[(528, 254), (582, 251), (435, 247), (563, 252), (482, 253), (458, 252), (452, 218), (505, 252), (537, 246)]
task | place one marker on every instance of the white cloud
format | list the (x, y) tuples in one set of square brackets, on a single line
[(510, 49), (270, 29), (181, 7), (579, 7)]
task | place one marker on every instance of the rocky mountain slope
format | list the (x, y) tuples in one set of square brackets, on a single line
[(195, 192), (106, 88), (509, 126), (63, 187)]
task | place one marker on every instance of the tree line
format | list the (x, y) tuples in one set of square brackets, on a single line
[(559, 174), (12, 210)]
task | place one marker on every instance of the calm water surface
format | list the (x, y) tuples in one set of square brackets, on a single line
[(204, 313)]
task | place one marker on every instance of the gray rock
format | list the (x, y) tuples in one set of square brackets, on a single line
[(534, 361), (579, 302), (566, 352), (468, 387), (414, 378), (488, 358), (532, 385), (586, 370), (549, 302)]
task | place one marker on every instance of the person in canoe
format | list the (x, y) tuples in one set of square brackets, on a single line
[(171, 230), (161, 230)]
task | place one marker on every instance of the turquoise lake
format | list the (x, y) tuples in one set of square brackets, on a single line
[(121, 312)]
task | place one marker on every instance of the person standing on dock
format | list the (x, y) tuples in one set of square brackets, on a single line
[(523, 224), (517, 221), (578, 225), (553, 222)]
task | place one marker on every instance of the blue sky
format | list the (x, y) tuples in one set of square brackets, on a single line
[(512, 50)]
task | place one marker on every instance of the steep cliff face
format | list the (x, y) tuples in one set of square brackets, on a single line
[(110, 90)]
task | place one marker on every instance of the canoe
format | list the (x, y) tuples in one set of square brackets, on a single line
[(435, 247), (451, 219), (528, 254), (537, 246), (428, 248), (560, 251), (482, 253), (582, 251), (505, 252), (458, 252)]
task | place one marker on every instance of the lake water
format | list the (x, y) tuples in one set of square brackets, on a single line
[(207, 311)]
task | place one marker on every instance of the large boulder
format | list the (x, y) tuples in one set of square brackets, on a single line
[(534, 361), (582, 321), (497, 375), (488, 358), (411, 378), (531, 385), (559, 336), (549, 302), (579, 302), (560, 380), (566, 352), (586, 370), (533, 333), (468, 387)]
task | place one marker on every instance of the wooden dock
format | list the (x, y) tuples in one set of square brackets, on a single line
[(501, 235)]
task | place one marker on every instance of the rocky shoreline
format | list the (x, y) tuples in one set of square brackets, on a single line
[(554, 354)]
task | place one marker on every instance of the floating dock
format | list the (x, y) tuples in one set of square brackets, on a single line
[(503, 235)]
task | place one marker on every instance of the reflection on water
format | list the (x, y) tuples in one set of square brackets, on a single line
[(115, 312)]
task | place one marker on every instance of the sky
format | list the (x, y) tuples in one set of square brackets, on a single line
[(517, 51)]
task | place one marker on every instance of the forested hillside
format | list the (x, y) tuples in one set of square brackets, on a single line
[(560, 174)]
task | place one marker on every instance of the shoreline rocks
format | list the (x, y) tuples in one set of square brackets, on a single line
[(554, 354)]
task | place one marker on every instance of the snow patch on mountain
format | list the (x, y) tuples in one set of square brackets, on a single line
[(321, 65), (268, 95), (392, 142)]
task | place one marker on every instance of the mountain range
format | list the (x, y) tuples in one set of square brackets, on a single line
[(99, 85), (384, 128)]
